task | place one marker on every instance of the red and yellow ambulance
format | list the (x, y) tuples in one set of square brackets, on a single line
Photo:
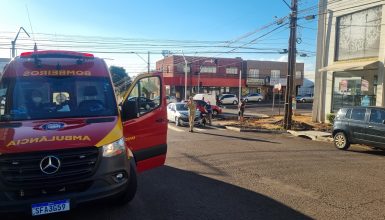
[(64, 139)]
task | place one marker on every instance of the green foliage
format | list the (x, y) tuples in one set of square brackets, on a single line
[(120, 79), (118, 74), (330, 117)]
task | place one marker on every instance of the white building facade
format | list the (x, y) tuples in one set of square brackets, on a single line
[(350, 56)]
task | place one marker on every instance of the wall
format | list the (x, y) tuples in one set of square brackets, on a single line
[(329, 10)]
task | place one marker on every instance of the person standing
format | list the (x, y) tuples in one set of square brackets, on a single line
[(241, 110), (191, 112), (209, 112)]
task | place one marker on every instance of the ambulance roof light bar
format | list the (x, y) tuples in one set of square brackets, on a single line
[(56, 53)]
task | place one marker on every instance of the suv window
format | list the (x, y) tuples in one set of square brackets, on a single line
[(348, 113), (341, 113), (358, 114), (377, 116)]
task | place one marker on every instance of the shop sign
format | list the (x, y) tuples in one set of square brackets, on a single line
[(275, 81), (257, 82)]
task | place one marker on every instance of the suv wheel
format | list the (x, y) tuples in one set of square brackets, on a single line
[(303, 100), (259, 100), (235, 102), (341, 141)]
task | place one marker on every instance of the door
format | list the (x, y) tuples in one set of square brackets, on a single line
[(170, 113), (357, 124), (376, 127), (224, 99), (144, 118)]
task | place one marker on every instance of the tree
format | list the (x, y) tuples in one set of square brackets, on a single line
[(118, 74), (120, 78)]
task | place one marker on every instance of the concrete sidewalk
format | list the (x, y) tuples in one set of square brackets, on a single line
[(313, 135), (234, 113)]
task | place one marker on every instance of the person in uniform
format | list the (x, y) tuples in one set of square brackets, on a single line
[(191, 112)]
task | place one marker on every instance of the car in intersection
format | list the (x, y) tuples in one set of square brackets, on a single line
[(228, 99), (178, 113), (304, 98), (201, 106), (253, 97)]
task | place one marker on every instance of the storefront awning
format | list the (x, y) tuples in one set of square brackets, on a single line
[(353, 65)]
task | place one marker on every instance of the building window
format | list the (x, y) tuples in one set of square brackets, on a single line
[(358, 34), (180, 67), (298, 74), (355, 88), (232, 70), (208, 69), (275, 74), (253, 73)]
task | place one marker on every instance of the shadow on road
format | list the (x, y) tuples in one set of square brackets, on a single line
[(369, 151), (171, 193), (235, 137), (187, 195)]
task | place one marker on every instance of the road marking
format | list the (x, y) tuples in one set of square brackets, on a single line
[(175, 129)]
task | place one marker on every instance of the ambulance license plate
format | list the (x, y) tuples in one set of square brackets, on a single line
[(50, 207)]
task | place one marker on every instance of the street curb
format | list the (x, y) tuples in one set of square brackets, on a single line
[(325, 138), (232, 128), (218, 126)]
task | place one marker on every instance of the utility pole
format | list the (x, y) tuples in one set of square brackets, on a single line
[(291, 65), (148, 62), (185, 76), (240, 86)]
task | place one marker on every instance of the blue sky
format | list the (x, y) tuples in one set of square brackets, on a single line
[(158, 21)]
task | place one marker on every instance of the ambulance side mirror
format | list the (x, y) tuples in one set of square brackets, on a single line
[(129, 110)]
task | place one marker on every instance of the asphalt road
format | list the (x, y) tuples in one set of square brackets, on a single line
[(220, 174)]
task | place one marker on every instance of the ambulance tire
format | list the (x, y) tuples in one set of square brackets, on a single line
[(132, 184)]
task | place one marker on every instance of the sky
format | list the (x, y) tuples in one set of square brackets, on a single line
[(123, 32)]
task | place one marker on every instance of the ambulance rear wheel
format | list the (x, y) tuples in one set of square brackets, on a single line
[(129, 193)]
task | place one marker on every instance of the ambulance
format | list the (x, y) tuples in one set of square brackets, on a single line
[(64, 139)]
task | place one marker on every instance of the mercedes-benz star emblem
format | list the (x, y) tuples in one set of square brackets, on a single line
[(49, 164)]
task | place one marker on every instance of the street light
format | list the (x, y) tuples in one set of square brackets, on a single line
[(146, 61), (14, 41)]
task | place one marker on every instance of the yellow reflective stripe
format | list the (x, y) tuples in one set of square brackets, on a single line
[(115, 134)]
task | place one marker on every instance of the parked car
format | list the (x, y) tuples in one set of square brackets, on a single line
[(144, 103), (253, 97), (201, 105), (171, 99), (207, 97), (359, 125), (178, 113), (304, 98), (228, 99)]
